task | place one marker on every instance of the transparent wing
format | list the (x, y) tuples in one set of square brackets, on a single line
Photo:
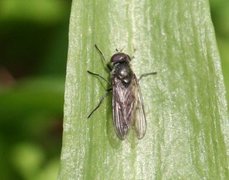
[(123, 103), (139, 116)]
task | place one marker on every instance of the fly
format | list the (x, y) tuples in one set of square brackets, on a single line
[(127, 103)]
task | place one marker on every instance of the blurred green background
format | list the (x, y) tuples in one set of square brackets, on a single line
[(220, 18), (33, 53)]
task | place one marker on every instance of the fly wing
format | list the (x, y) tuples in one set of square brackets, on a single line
[(139, 114), (123, 103)]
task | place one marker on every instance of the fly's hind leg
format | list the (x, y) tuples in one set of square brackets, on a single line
[(100, 102)]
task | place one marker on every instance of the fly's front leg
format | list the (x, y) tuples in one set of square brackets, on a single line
[(103, 58)]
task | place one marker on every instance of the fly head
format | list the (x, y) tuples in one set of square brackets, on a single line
[(120, 57)]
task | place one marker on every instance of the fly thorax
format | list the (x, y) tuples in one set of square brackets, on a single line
[(123, 72)]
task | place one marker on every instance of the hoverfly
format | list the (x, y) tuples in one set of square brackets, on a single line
[(127, 103)]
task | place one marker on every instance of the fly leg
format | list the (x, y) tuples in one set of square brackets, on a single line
[(100, 102), (99, 76), (103, 58), (103, 97), (146, 74)]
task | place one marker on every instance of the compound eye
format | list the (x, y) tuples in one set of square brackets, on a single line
[(119, 57)]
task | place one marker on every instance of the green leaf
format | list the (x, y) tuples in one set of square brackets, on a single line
[(187, 119)]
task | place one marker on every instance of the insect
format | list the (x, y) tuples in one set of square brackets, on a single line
[(127, 103)]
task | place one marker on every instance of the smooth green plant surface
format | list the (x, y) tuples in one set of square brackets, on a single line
[(187, 121)]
